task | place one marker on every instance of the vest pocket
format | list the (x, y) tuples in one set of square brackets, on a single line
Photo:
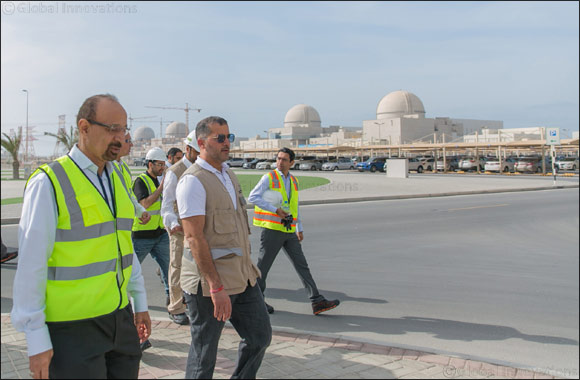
[(224, 221)]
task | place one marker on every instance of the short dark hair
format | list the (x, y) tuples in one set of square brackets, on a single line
[(88, 110), (173, 151), (289, 151), (203, 128)]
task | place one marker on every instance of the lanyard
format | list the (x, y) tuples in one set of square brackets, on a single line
[(105, 192)]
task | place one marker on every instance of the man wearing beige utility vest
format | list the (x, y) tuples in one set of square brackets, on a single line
[(77, 266), (170, 215), (218, 276), (276, 210)]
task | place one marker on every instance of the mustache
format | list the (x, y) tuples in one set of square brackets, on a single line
[(115, 144)]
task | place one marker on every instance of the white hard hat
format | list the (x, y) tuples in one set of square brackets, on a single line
[(273, 197), (155, 154), (192, 141)]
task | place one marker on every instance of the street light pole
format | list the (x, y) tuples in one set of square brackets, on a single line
[(26, 145)]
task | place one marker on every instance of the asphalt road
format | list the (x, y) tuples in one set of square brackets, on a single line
[(491, 277)]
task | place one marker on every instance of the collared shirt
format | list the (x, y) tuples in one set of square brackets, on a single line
[(191, 195), (36, 236), (257, 192), (170, 219)]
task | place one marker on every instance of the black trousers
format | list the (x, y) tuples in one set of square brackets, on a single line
[(106, 347)]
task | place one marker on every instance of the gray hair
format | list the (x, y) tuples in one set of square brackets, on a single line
[(203, 127), (88, 110)]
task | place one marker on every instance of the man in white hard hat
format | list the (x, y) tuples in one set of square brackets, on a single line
[(151, 238), (172, 222)]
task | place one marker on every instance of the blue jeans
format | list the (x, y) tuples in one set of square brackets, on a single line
[(250, 319), (159, 250)]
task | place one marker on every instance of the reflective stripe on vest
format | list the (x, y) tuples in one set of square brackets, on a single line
[(270, 220), (154, 210), (91, 261)]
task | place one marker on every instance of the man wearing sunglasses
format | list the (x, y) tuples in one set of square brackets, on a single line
[(218, 278), (76, 265)]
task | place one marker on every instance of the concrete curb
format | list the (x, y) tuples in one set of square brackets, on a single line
[(11, 221)]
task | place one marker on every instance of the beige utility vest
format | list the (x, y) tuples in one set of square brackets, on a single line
[(178, 169), (225, 228)]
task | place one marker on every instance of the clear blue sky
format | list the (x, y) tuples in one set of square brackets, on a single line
[(251, 62)]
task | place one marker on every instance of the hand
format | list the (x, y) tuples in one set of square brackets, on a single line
[(39, 364), (281, 213), (222, 306), (143, 324), (176, 229), (145, 218), (300, 236)]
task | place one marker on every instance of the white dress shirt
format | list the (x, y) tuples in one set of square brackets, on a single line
[(190, 193), (36, 236), (191, 197), (170, 218), (257, 192)]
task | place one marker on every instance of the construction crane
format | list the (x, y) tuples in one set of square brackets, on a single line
[(137, 118), (186, 109)]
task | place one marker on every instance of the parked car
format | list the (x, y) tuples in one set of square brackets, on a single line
[(358, 160), (237, 161), (532, 164), (567, 163), (266, 165), (372, 164), (252, 164), (341, 163), (311, 165), (507, 165), (420, 164), (299, 160), (451, 164), (471, 163)]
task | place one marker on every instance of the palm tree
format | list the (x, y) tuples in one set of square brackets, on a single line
[(68, 140), (12, 146)]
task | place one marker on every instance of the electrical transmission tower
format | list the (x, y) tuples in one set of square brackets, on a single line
[(61, 129)]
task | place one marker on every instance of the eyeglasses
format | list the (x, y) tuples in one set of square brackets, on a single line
[(114, 128), (221, 138), (158, 163)]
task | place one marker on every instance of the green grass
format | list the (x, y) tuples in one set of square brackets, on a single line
[(11, 201), (249, 181)]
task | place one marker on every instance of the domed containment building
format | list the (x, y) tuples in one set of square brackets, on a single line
[(300, 123), (177, 129), (400, 119), (143, 133)]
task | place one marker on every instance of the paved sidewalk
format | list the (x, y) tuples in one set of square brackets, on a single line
[(290, 356)]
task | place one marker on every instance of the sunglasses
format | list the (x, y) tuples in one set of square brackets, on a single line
[(221, 138)]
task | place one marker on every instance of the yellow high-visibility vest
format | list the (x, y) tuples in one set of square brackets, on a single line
[(271, 220), (154, 210), (91, 261)]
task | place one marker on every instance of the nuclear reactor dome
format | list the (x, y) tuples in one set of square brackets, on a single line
[(143, 133), (399, 104), (302, 115), (176, 129)]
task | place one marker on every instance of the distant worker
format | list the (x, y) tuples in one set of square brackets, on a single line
[(151, 238), (282, 227), (76, 266), (218, 276), (173, 155), (172, 222)]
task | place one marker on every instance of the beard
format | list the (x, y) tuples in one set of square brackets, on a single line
[(112, 152)]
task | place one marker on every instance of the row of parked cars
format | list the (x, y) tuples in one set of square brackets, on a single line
[(419, 164)]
